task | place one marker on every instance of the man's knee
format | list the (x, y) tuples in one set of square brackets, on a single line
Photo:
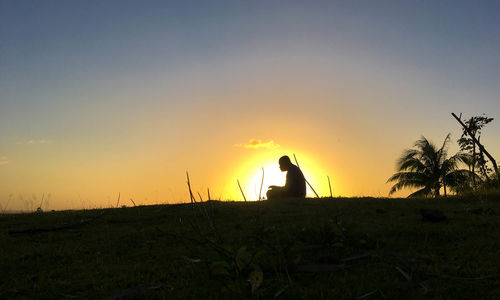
[(273, 194)]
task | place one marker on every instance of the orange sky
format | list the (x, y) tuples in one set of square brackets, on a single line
[(96, 101)]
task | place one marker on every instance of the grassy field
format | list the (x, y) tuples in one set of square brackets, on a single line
[(345, 248)]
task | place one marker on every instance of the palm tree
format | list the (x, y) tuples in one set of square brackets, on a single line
[(427, 168)]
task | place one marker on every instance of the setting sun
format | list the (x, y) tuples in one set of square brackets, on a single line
[(272, 176), (250, 174)]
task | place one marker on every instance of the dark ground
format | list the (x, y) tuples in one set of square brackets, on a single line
[(343, 248)]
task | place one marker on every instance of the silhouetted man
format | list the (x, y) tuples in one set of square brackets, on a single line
[(295, 182)]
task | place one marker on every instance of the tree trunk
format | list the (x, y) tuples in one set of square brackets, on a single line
[(436, 191), (474, 164)]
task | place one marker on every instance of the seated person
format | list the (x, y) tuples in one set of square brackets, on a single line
[(295, 186)]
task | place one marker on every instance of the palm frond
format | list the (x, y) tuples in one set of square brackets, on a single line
[(443, 151), (407, 155), (412, 164), (408, 180), (408, 176), (426, 191), (461, 157), (428, 168)]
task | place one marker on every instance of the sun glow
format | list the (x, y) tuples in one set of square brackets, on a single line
[(272, 176), (250, 175)]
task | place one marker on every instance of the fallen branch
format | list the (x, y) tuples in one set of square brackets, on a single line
[(487, 277), (367, 295), (312, 247), (357, 257), (53, 228), (71, 296), (425, 288), (280, 291), (191, 260), (130, 291), (320, 268), (405, 275)]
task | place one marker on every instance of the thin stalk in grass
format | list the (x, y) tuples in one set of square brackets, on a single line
[(41, 202), (118, 201), (4, 208), (317, 196), (241, 191), (330, 186), (261, 184), (193, 200)]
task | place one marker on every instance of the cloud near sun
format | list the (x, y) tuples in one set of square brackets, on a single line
[(34, 142), (259, 144)]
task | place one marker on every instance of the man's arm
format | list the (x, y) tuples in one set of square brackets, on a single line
[(290, 181)]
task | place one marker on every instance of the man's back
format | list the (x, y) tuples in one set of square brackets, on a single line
[(295, 182)]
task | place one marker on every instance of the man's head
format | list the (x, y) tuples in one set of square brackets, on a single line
[(285, 163)]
